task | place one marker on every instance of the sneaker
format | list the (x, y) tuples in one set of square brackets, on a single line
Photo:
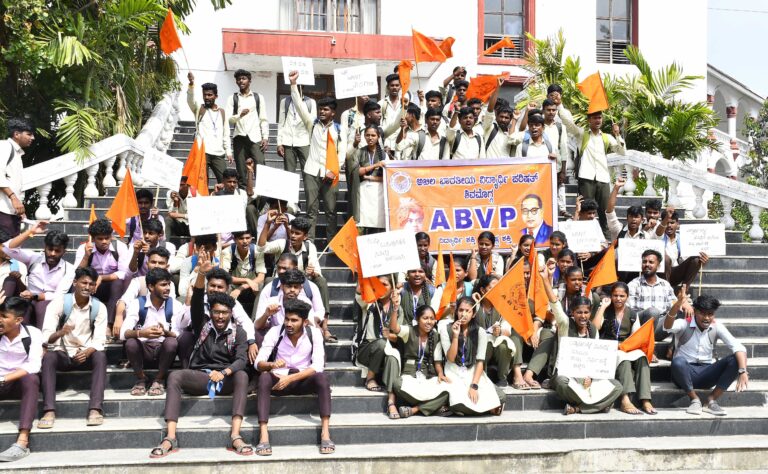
[(714, 409), (14, 453), (694, 408)]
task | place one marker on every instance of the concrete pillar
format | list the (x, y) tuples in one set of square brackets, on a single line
[(730, 112)]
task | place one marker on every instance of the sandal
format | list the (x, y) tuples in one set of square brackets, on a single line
[(264, 449), (630, 411), (161, 452), (570, 410), (405, 412), (94, 419), (372, 386), (534, 385), (327, 446), (45, 423), (139, 389), (521, 386), (444, 411), (244, 449), (498, 411), (330, 338), (156, 389), (395, 415)]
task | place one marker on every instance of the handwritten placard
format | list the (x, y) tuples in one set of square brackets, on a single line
[(583, 236), (583, 357), (276, 183), (305, 68), (707, 238), (161, 169), (356, 81), (215, 214), (630, 253), (388, 252)]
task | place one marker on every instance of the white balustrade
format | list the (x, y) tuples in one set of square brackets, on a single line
[(673, 200), (755, 232), (91, 191), (43, 212), (630, 185), (69, 201), (727, 219), (650, 191)]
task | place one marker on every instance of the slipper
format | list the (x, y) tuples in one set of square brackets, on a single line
[(330, 338), (327, 446), (534, 385), (94, 420), (45, 423), (373, 388), (244, 449), (393, 416), (498, 411), (405, 412), (521, 386), (156, 389), (570, 410), (161, 452), (139, 389), (631, 411), (264, 449), (444, 411)]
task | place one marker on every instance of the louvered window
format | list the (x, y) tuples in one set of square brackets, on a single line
[(504, 18), (614, 30)]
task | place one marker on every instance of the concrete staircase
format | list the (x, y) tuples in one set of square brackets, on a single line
[(532, 427)]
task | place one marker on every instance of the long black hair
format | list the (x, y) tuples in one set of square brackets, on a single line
[(432, 339), (472, 328)]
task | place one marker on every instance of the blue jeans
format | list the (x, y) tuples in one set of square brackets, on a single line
[(690, 376)]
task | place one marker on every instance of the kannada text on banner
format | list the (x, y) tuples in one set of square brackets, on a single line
[(455, 201)]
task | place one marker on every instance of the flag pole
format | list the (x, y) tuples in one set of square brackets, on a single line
[(701, 275), (185, 58), (415, 60), (157, 195)]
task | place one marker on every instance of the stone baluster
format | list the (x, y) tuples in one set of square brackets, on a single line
[(699, 211), (630, 185), (138, 180), (69, 201), (91, 190), (109, 178), (43, 212), (121, 166), (650, 191), (755, 232), (727, 219), (674, 199)]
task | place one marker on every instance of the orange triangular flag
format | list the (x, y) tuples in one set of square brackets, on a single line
[(425, 49), (511, 301), (404, 71), (449, 290), (169, 37), (124, 205), (604, 272), (332, 158), (506, 42), (592, 88), (439, 276), (446, 46), (344, 244), (483, 87), (371, 288), (642, 339), (536, 292), (93, 214), (195, 169)]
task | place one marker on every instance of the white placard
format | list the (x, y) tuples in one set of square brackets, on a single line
[(583, 357), (388, 252), (161, 169), (356, 81), (583, 236), (630, 253), (707, 238), (305, 68), (276, 183), (215, 214)]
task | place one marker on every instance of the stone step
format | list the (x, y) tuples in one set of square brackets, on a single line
[(755, 326), (734, 291), (742, 309), (292, 430), (757, 260)]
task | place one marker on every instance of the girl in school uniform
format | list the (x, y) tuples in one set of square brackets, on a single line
[(425, 258), (368, 164), (463, 287), (465, 344), (557, 243), (484, 259), (419, 380), (416, 291), (633, 371), (524, 246)]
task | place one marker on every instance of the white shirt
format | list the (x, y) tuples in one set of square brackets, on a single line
[(276, 247), (277, 318), (535, 150), (290, 128), (502, 143), (266, 299), (212, 127), (467, 149), (10, 174), (155, 316), (302, 356), (559, 142), (13, 356), (253, 125), (410, 142), (138, 287), (316, 165), (699, 349), (80, 320), (594, 162)]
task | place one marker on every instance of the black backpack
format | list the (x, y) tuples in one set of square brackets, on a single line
[(444, 141), (236, 103), (273, 354)]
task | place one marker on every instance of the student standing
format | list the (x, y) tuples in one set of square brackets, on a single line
[(211, 125), (249, 116), (292, 136), (368, 163), (20, 136)]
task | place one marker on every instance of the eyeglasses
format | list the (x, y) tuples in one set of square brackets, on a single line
[(533, 211)]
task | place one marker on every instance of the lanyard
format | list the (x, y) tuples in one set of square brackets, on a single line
[(370, 157), (213, 122), (421, 354), (463, 353)]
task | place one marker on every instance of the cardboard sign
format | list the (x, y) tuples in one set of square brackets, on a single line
[(583, 357), (276, 183), (630, 253), (215, 214), (356, 81), (583, 236), (707, 238), (305, 68), (161, 169), (387, 252)]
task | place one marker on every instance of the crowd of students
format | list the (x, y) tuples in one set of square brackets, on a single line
[(248, 311)]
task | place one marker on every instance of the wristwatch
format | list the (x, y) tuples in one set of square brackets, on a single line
[(742, 370), (474, 386)]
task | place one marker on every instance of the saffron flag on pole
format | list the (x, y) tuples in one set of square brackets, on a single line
[(332, 158), (344, 244), (124, 206), (506, 42), (446, 46), (439, 277), (371, 288), (196, 169), (449, 291), (425, 49), (511, 300), (604, 272), (169, 37), (404, 72), (642, 339), (592, 88), (483, 87), (92, 217)]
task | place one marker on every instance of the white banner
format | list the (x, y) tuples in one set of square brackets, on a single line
[(276, 183), (630, 253), (388, 252), (583, 357), (356, 81), (215, 214), (161, 169), (305, 68), (707, 238), (583, 236)]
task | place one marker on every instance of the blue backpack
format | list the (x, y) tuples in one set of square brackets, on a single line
[(143, 311), (69, 302)]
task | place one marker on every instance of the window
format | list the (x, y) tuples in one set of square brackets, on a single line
[(347, 16), (614, 30), (504, 18)]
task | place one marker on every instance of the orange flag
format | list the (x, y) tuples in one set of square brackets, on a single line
[(449, 291), (93, 214), (439, 277), (483, 87), (332, 158), (404, 71), (592, 88), (511, 301), (446, 45), (371, 288), (344, 244), (195, 169), (425, 49), (169, 37), (124, 206), (506, 42), (604, 272), (642, 339), (536, 292)]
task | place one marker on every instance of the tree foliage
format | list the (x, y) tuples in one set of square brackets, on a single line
[(757, 131)]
